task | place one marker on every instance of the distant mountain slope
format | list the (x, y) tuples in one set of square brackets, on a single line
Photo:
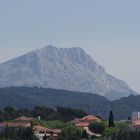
[(23, 97), (124, 107), (62, 68)]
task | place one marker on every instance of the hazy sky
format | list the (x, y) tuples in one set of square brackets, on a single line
[(109, 30)]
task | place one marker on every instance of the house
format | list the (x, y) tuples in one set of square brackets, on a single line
[(3, 125), (17, 123), (136, 124), (41, 132), (135, 120), (25, 122), (24, 119), (135, 115), (84, 122), (13, 124), (89, 118)]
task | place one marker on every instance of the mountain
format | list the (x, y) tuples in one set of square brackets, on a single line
[(62, 68), (26, 97)]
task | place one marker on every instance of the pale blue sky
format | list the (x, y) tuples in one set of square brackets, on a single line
[(109, 30)]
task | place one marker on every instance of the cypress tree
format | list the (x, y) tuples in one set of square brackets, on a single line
[(111, 119)]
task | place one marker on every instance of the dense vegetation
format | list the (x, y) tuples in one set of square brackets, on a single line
[(97, 127), (123, 135), (105, 130), (111, 120), (23, 97), (17, 134), (58, 119), (61, 113), (51, 124), (70, 133)]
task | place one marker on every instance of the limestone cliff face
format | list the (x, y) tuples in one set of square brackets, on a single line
[(61, 68)]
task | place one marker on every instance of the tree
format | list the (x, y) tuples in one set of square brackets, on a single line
[(17, 134), (111, 120), (70, 133), (69, 114), (97, 127), (84, 134), (10, 113)]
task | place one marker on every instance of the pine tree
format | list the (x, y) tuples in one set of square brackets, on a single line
[(111, 120)]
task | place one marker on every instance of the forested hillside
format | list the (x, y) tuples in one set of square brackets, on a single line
[(24, 97)]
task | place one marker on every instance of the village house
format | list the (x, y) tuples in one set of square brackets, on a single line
[(84, 122), (24, 119), (14, 124), (42, 132), (25, 122), (17, 123), (135, 120)]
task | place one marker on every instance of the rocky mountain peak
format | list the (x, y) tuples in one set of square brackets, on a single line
[(61, 68)]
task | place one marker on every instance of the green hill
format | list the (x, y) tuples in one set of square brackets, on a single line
[(24, 97)]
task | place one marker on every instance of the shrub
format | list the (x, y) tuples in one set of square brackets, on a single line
[(50, 124), (70, 133), (97, 127)]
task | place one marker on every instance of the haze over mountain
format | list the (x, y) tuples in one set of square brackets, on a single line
[(61, 68)]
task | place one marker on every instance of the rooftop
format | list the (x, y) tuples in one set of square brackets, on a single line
[(23, 118), (13, 124), (43, 129)]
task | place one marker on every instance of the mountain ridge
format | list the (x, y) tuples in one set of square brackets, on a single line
[(61, 68)]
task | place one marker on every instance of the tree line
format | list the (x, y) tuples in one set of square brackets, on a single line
[(61, 113)]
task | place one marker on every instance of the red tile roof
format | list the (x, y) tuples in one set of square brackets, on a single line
[(23, 118), (18, 122), (77, 120), (42, 129), (56, 131), (89, 118), (82, 124), (13, 124), (136, 122)]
